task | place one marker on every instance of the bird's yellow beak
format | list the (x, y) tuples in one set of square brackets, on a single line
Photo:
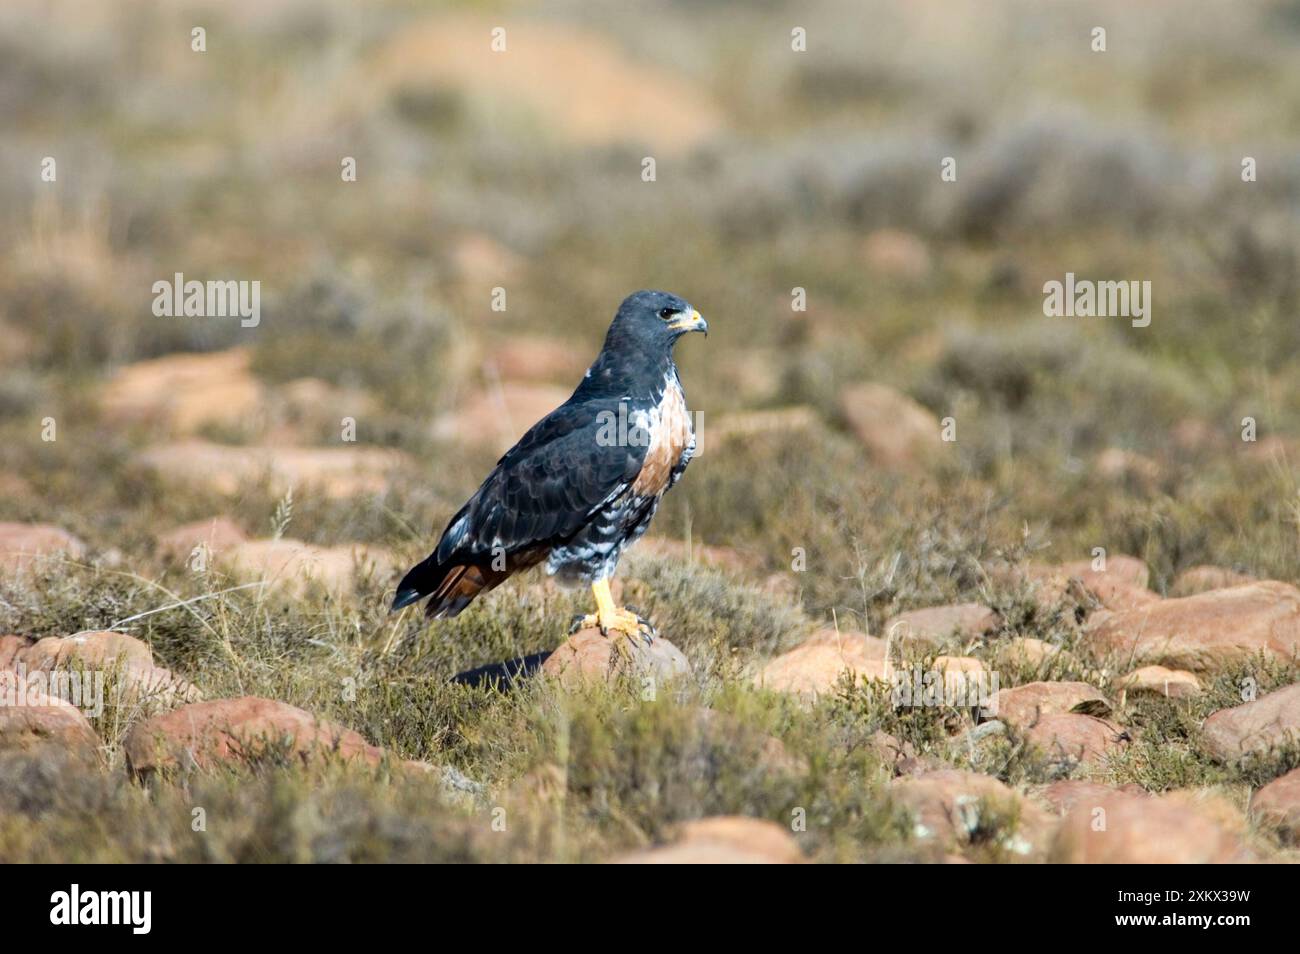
[(692, 322)]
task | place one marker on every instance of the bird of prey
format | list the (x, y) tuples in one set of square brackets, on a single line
[(583, 483)]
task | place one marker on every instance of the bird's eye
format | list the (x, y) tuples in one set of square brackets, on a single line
[(666, 313)]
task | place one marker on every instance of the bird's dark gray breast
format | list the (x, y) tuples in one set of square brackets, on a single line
[(664, 425)]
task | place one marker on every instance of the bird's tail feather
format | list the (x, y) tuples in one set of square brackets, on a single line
[(452, 586)]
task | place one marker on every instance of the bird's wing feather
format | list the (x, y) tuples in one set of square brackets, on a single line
[(547, 486)]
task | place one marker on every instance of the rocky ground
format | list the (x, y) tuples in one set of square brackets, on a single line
[(910, 478), (1123, 725)]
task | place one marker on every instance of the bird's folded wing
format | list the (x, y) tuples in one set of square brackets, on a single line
[(548, 486)]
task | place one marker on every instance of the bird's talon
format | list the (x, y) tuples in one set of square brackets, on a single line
[(647, 629)]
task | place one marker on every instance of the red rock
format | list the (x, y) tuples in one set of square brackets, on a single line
[(185, 392), (140, 682), (850, 642), (1171, 683), (223, 731), (1122, 585), (335, 472), (1205, 632), (897, 432), (934, 626), (217, 534), (948, 806), (296, 565), (964, 677), (30, 718), (1270, 722), (1119, 566), (1122, 829), (93, 650), (1064, 795), (816, 666), (10, 647), (22, 544), (1276, 806), (725, 839), (1023, 705), (1068, 737), (589, 656), (1201, 579), (577, 83)]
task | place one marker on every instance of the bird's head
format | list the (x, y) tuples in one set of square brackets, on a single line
[(655, 319)]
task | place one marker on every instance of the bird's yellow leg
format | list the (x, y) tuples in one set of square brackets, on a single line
[(609, 617)]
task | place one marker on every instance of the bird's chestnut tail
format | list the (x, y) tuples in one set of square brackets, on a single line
[(452, 586)]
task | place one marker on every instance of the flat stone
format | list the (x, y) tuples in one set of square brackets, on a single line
[(896, 431), (296, 565), (727, 839), (817, 665), (1203, 578), (1170, 683), (1208, 631), (10, 646), (1023, 705), (1276, 806), (229, 731), (216, 534), (335, 472), (23, 544), (1064, 795), (1070, 739), (1123, 829), (183, 393), (1269, 723), (30, 718), (949, 806), (139, 681)]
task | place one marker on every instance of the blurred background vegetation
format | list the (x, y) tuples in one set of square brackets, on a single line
[(776, 169)]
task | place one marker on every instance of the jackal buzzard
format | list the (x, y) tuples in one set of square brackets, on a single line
[(584, 482)]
